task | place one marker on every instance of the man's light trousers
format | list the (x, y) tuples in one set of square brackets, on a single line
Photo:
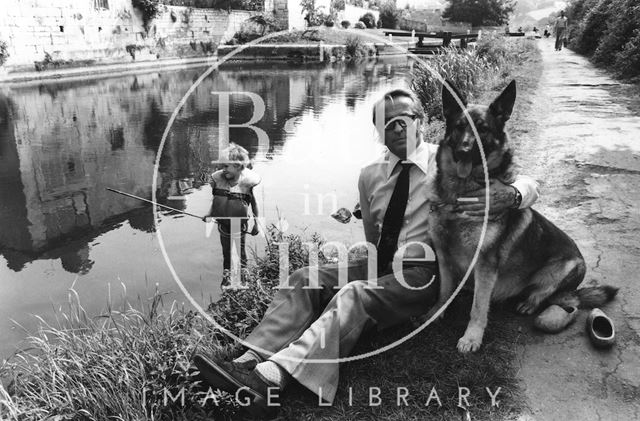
[(303, 324)]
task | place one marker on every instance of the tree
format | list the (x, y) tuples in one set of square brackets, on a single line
[(389, 14), (480, 12)]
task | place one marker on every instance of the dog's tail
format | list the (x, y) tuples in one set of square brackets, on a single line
[(585, 297)]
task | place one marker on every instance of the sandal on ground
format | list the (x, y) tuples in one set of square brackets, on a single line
[(555, 318), (600, 329)]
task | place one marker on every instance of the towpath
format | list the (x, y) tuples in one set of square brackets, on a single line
[(586, 153)]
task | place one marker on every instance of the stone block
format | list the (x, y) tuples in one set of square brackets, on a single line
[(44, 40)]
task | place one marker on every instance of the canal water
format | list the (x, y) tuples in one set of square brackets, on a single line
[(62, 144)]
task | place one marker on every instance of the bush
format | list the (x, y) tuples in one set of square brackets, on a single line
[(337, 5), (254, 28), (329, 23), (628, 60), (369, 20), (354, 47), (389, 15), (150, 9), (359, 25), (594, 26), (345, 24), (4, 52), (606, 30)]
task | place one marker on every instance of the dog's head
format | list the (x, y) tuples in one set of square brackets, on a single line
[(489, 121)]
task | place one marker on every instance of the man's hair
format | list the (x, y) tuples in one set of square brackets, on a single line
[(236, 154), (396, 93)]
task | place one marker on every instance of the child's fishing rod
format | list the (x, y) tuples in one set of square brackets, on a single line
[(178, 210), (154, 203)]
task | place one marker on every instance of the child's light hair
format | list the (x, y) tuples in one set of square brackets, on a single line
[(236, 154)]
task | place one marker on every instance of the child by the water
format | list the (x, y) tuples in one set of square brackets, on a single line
[(232, 188)]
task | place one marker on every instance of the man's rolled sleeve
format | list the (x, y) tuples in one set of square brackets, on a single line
[(528, 188)]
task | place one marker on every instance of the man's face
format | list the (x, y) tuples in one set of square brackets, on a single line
[(400, 126)]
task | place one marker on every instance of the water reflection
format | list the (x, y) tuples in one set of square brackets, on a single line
[(62, 144)]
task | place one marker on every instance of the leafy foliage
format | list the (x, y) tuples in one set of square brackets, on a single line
[(150, 9), (389, 15), (4, 52), (337, 5), (369, 20), (253, 28), (480, 12), (317, 16), (594, 25), (608, 31)]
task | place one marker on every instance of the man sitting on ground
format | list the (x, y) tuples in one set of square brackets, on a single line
[(304, 324)]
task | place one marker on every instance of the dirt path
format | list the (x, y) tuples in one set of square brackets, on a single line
[(587, 156)]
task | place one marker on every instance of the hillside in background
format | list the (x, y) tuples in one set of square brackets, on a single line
[(535, 12)]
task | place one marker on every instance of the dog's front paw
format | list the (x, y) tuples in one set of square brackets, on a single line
[(471, 340)]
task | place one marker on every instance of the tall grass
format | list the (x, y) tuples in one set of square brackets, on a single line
[(356, 47), (113, 366), (471, 70), (133, 361)]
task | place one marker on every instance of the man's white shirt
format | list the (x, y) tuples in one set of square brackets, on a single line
[(377, 181)]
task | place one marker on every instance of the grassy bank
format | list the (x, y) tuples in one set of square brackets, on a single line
[(311, 36), (133, 361)]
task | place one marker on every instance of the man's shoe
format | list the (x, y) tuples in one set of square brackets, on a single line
[(600, 329), (249, 390), (246, 365)]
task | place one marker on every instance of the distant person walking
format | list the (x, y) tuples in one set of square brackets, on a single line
[(561, 30)]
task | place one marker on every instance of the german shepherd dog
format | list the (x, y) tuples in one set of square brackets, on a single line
[(523, 255)]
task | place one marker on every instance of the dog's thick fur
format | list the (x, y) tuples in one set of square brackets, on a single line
[(523, 254)]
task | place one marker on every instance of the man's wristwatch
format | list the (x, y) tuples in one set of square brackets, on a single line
[(517, 200)]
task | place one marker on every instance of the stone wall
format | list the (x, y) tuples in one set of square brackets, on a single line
[(54, 32)]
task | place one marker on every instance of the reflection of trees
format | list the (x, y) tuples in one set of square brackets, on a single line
[(142, 219), (77, 259)]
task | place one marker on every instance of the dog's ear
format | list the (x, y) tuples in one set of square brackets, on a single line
[(502, 106), (450, 107)]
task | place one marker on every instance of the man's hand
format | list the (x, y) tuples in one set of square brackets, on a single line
[(501, 197), (208, 219), (255, 230)]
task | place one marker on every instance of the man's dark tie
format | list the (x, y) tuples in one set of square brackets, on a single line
[(394, 218)]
